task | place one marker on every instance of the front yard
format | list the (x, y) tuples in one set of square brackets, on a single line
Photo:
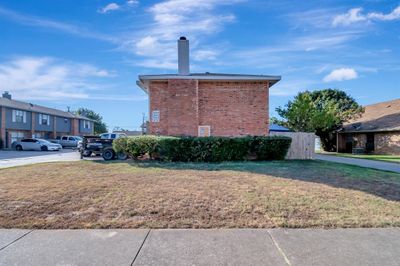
[(92, 194)]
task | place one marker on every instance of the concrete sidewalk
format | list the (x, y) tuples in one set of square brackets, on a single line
[(386, 166), (201, 247)]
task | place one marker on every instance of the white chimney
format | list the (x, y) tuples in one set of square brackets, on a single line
[(183, 56)]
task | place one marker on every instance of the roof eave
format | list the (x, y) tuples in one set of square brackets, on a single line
[(144, 80), (370, 130), (141, 85)]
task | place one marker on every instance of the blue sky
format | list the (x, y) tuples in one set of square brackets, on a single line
[(89, 53)]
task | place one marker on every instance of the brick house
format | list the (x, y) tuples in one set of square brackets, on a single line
[(204, 104), (26, 120), (376, 131)]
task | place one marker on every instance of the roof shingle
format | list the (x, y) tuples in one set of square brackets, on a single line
[(384, 116), (37, 108)]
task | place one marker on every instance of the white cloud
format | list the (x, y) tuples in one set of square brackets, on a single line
[(50, 79), (201, 55), (179, 17), (352, 16), (341, 74), (108, 8), (394, 15), (114, 6), (355, 15), (132, 2), (173, 18), (54, 25)]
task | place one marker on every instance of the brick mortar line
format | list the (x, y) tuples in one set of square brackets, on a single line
[(140, 248), (279, 249), (12, 242)]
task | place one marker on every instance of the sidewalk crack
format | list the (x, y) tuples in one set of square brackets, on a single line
[(140, 248), (279, 249), (9, 244)]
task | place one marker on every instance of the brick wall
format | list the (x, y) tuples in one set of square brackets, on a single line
[(229, 108), (182, 105), (387, 143), (158, 95), (359, 140), (234, 108)]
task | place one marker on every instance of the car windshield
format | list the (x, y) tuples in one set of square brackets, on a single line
[(78, 138)]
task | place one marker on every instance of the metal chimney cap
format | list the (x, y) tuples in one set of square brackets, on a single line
[(182, 38)]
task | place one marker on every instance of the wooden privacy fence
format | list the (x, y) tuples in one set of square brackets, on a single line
[(302, 147)]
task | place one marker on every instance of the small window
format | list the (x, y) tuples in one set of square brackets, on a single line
[(44, 119), (155, 116), (64, 138), (113, 136), (18, 116), (204, 131), (86, 124)]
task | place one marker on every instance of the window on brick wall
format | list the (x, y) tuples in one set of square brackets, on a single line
[(18, 116), (204, 131), (86, 124), (44, 119), (155, 116)]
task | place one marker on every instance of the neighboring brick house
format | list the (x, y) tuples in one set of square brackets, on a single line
[(207, 104), (24, 120), (376, 131)]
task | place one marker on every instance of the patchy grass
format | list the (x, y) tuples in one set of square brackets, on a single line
[(385, 158), (197, 195)]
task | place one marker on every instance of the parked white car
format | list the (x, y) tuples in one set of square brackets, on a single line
[(36, 145)]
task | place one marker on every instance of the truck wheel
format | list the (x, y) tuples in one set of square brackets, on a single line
[(122, 156), (108, 154), (44, 148), (18, 148)]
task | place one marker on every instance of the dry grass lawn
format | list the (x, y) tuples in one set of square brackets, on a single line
[(91, 194)]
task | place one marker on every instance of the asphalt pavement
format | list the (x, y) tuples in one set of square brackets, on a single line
[(11, 158)]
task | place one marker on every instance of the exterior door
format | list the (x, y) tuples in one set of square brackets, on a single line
[(370, 145), (349, 143)]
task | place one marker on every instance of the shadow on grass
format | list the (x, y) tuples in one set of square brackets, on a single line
[(376, 182)]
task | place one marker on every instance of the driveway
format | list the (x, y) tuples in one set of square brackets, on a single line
[(10, 158), (201, 247), (386, 166)]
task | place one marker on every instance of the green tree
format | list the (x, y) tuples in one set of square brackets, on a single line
[(99, 125), (322, 112)]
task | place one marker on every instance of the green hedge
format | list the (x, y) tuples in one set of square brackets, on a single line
[(136, 146), (205, 149)]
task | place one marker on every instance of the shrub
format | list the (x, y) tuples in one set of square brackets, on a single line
[(136, 146), (270, 148), (205, 149)]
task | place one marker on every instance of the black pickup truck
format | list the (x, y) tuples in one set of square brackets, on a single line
[(99, 146)]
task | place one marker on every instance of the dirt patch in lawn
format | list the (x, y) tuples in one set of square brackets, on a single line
[(154, 195)]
